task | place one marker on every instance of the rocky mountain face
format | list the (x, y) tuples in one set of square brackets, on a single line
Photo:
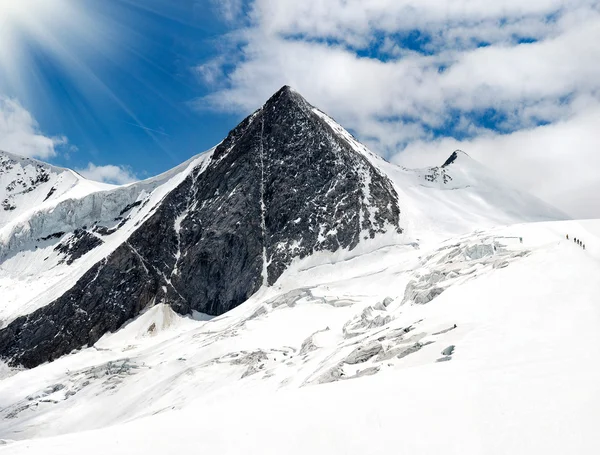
[(283, 185)]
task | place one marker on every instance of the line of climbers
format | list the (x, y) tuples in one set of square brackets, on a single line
[(577, 241)]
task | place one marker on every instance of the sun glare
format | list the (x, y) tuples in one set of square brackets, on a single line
[(47, 27)]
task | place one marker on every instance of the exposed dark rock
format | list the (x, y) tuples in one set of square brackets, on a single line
[(452, 158), (114, 292), (7, 205), (103, 230), (50, 193), (435, 174), (440, 173), (28, 183), (449, 350), (78, 244), (42, 176), (282, 185), (130, 206), (56, 235)]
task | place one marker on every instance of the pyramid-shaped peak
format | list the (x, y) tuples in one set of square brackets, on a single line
[(287, 97), (456, 154), (286, 90)]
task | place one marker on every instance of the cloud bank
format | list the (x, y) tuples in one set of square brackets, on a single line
[(515, 84), (20, 134)]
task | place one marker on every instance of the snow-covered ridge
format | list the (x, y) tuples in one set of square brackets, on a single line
[(27, 185), (349, 138), (45, 250), (101, 206)]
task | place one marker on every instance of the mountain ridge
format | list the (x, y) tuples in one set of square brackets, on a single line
[(440, 297), (286, 184), (281, 185)]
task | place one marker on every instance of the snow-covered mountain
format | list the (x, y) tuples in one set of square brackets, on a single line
[(281, 186), (27, 184), (286, 183), (266, 273)]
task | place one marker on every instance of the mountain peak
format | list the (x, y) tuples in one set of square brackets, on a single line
[(455, 155), (287, 98), (285, 90)]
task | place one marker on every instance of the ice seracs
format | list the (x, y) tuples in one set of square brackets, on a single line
[(27, 185)]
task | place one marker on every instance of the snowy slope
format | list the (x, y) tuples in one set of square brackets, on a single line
[(462, 195), (341, 359)]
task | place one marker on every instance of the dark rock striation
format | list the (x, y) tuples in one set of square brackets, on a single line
[(76, 245), (282, 185)]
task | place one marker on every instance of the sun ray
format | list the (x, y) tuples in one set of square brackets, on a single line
[(77, 37)]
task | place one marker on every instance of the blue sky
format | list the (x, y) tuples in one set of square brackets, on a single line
[(143, 119), (125, 89)]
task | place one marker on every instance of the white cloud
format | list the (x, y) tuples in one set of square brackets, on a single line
[(109, 174), (20, 134), (353, 21), (397, 99), (211, 72), (511, 78)]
